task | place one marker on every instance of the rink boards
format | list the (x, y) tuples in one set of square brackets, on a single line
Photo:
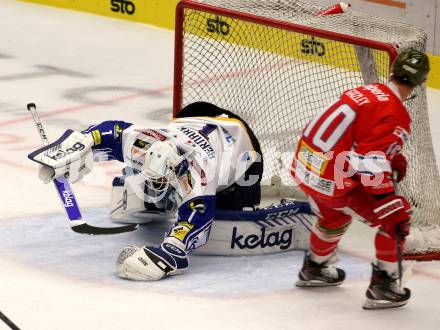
[(161, 13)]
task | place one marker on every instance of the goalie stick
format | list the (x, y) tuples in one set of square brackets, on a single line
[(67, 197)]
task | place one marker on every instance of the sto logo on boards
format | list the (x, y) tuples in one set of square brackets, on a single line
[(312, 47), (217, 25), (123, 7)]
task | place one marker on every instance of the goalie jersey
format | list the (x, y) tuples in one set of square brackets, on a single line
[(218, 151), (352, 142)]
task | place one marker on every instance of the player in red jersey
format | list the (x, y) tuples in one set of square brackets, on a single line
[(345, 162)]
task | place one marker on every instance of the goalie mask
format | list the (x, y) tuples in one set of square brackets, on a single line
[(160, 170)]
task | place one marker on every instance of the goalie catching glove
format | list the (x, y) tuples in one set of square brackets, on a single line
[(69, 156), (151, 263)]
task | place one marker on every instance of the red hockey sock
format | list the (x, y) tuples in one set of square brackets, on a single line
[(326, 235), (386, 247), (320, 247)]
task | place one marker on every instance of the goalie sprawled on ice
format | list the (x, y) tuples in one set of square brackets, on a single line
[(206, 159)]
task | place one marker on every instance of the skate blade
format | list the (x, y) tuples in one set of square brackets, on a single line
[(382, 304), (315, 284)]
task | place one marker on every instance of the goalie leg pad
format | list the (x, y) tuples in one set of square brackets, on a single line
[(275, 228), (151, 263)]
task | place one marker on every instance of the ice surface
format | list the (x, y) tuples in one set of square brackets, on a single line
[(80, 69), (52, 246)]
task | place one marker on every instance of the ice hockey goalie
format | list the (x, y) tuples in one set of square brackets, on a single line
[(206, 159)]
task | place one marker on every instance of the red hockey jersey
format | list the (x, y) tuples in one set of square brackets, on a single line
[(352, 142)]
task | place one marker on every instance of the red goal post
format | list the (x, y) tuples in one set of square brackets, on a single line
[(278, 63)]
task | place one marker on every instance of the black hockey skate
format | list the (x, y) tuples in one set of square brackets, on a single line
[(385, 292), (313, 274)]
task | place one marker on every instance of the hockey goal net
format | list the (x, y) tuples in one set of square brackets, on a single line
[(278, 63)]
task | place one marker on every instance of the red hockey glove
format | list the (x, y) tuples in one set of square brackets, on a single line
[(392, 212), (399, 165)]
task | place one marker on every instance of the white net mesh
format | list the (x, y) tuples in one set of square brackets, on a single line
[(242, 56)]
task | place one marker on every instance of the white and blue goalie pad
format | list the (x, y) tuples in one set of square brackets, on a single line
[(272, 229)]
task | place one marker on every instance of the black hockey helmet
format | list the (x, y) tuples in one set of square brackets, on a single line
[(411, 67)]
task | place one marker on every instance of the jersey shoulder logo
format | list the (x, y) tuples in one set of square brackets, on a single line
[(151, 132)]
